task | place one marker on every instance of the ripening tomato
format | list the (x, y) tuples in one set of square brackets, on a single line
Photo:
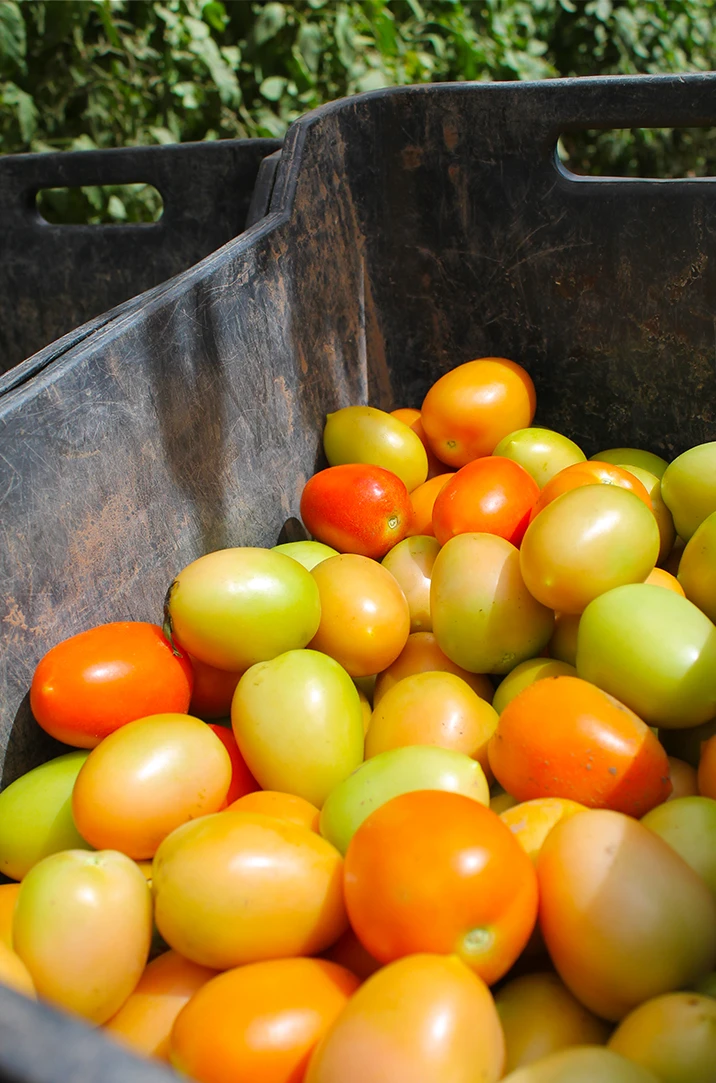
[(684, 782), (697, 567), (83, 926), (526, 673), (594, 750), (365, 617), (422, 501), (659, 578), (14, 973), (423, 848), (488, 496), (689, 488), (673, 1035), (688, 824), (412, 418), (563, 644), (622, 914), (284, 881), (145, 1020), (629, 457), (410, 562), (285, 806), (259, 1022), (664, 518), (586, 542), (357, 509), (242, 781), (543, 453), (590, 473), (421, 654), (531, 821), (582, 1062), (470, 409), (362, 434), (8, 898), (423, 1019), (94, 682), (213, 690), (148, 778)]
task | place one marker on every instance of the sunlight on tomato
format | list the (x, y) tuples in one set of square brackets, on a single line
[(525, 674), (590, 473), (421, 654), (659, 578), (491, 495), (285, 806), (357, 508), (8, 898), (413, 419), (411, 563), (542, 452)]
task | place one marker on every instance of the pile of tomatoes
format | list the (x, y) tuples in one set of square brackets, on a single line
[(429, 797)]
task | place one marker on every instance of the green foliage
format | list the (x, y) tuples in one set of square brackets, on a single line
[(100, 73)]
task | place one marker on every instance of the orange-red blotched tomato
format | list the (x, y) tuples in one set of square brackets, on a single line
[(357, 508), (94, 682), (493, 495), (432, 871)]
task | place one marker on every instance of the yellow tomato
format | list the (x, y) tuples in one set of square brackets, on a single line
[(411, 562), (285, 806), (8, 899), (531, 821), (421, 654), (14, 973)]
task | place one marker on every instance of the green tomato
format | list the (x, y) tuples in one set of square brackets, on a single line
[(36, 815), (307, 553), (697, 567), (689, 488), (688, 824), (298, 722), (526, 673), (672, 1035), (631, 456), (362, 434), (236, 607), (563, 644), (654, 651), (389, 774), (686, 744), (582, 1064), (542, 452), (664, 518)]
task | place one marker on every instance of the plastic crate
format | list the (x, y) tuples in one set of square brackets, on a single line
[(408, 231)]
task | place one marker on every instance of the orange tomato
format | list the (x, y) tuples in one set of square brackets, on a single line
[(707, 769), (431, 871), (661, 578), (365, 618), (242, 781), (421, 654), (145, 1020), (422, 501), (8, 898), (259, 1022), (684, 779), (412, 418), (531, 821), (493, 495), (564, 737), (14, 973), (213, 690), (350, 953), (285, 806), (470, 409), (422, 1020), (590, 473)]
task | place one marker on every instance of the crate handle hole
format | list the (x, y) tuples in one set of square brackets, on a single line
[(100, 205), (645, 153)]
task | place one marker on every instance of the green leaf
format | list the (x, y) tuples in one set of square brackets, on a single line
[(271, 19), (273, 87), (13, 42), (310, 45), (116, 209), (24, 109), (224, 78), (214, 13)]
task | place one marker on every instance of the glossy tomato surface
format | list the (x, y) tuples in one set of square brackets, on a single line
[(413, 419), (525, 674), (688, 487), (284, 806), (542, 452), (421, 654), (422, 501), (410, 562), (357, 509), (630, 456), (590, 473), (492, 495), (362, 434), (697, 567)]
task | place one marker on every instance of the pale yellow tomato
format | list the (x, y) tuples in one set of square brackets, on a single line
[(542, 452), (411, 562)]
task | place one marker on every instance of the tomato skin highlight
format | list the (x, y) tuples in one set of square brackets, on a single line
[(493, 495), (89, 685), (357, 508)]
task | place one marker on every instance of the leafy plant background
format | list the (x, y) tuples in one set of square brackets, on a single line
[(79, 74)]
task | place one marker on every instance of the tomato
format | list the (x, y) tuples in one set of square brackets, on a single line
[(539, 1015), (706, 985), (563, 644), (323, 742), (423, 848), (594, 750), (689, 826), (36, 815), (422, 501), (145, 1020), (683, 779), (673, 1035), (14, 973), (664, 518), (542, 452), (213, 690), (283, 880), (488, 496), (672, 562), (93, 683), (585, 1063), (362, 434), (586, 542), (307, 553), (365, 617), (357, 509), (285, 806), (423, 1019), (623, 916), (350, 953), (410, 562), (659, 578), (236, 607), (531, 821), (501, 801), (689, 488), (413, 419), (470, 409), (484, 617), (590, 473), (259, 1022), (525, 674), (697, 568), (654, 651), (8, 898), (687, 744), (242, 781), (83, 926), (147, 779), (432, 709), (421, 654), (366, 710), (707, 769), (629, 457), (389, 774)]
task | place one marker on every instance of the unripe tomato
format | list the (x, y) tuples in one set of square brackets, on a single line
[(672, 1035), (623, 916), (525, 674), (421, 654), (307, 553), (591, 1063), (423, 1019), (422, 501), (147, 779), (563, 644), (664, 518), (630, 456), (697, 567), (283, 880), (324, 741), (284, 806), (362, 434), (688, 824), (541, 452), (688, 487), (94, 682), (484, 617), (488, 496), (365, 617), (531, 821), (83, 926), (357, 509), (410, 562)]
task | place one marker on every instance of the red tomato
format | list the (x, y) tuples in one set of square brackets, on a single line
[(242, 781), (488, 496), (91, 684), (432, 871), (213, 690), (590, 473), (357, 508)]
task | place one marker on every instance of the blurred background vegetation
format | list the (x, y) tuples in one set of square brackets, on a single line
[(79, 74)]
